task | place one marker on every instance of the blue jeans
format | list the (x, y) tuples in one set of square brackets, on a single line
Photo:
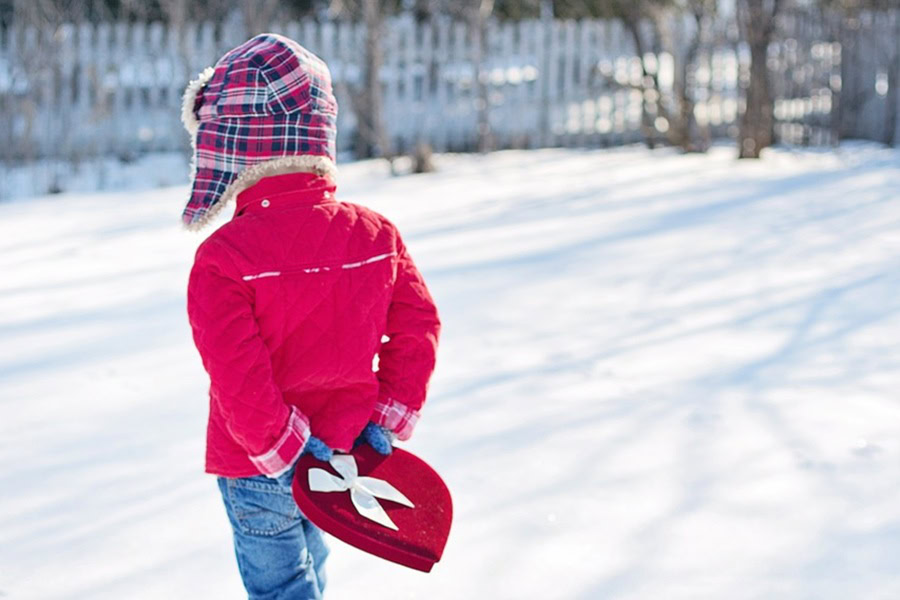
[(280, 554)]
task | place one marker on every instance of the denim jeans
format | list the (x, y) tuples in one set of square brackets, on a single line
[(280, 554)]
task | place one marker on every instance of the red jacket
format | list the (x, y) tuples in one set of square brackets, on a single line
[(289, 303)]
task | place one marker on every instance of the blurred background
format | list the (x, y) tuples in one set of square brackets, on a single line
[(663, 237), (88, 79)]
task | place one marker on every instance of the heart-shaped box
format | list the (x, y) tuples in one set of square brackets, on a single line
[(422, 530)]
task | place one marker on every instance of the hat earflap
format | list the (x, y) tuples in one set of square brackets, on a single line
[(189, 100)]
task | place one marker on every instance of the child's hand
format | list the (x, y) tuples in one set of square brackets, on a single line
[(378, 437), (317, 448)]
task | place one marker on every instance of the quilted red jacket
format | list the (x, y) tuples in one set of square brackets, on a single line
[(289, 303)]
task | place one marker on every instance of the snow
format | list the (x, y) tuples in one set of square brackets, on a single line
[(660, 376)]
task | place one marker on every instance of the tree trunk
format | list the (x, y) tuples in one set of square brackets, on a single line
[(757, 122), (892, 99), (649, 81), (371, 139), (479, 14), (422, 162), (683, 130)]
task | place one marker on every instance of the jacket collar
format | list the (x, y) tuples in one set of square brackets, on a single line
[(281, 191)]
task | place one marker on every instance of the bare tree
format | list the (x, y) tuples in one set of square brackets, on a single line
[(478, 14), (893, 91), (889, 56), (756, 19), (366, 97), (36, 34), (651, 24), (683, 130), (368, 101)]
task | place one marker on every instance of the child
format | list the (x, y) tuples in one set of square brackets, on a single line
[(289, 302)]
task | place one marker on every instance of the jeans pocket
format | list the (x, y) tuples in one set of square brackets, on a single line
[(261, 506)]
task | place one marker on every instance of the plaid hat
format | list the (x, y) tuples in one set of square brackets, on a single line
[(265, 108)]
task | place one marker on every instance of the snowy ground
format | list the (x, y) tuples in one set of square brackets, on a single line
[(21, 182), (660, 376)]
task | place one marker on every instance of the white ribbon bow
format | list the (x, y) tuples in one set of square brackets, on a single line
[(363, 490)]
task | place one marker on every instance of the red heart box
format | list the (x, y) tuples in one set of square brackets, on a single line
[(422, 531)]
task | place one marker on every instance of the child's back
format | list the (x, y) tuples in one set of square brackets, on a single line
[(289, 302), (325, 280)]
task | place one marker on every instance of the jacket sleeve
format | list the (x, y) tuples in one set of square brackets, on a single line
[(406, 361), (242, 388)]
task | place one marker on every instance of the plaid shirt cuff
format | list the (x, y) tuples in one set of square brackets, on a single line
[(395, 416), (287, 449)]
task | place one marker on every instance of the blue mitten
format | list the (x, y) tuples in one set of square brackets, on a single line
[(380, 438), (317, 448)]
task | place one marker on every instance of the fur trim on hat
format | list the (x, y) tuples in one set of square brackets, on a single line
[(300, 163), (190, 97)]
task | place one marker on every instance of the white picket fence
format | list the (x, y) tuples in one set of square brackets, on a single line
[(114, 89)]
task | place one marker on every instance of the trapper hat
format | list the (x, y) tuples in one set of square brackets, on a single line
[(265, 108)]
